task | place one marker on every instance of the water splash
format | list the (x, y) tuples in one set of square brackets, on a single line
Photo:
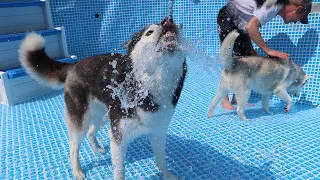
[(129, 92), (153, 73), (210, 64), (170, 8)]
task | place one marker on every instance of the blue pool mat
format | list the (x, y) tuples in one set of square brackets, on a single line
[(34, 141)]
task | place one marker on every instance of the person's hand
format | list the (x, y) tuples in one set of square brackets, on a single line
[(279, 54)]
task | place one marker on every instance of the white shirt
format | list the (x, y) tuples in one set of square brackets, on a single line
[(247, 9)]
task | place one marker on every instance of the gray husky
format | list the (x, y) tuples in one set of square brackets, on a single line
[(138, 92), (263, 75)]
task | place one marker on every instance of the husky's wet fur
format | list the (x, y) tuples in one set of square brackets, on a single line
[(263, 75), (138, 92)]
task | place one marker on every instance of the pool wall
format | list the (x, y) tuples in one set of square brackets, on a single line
[(95, 27)]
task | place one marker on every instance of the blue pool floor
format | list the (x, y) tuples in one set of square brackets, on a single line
[(34, 140)]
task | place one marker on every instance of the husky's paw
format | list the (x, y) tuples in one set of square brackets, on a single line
[(286, 110), (209, 114), (100, 150), (266, 111), (78, 174), (243, 117), (169, 176)]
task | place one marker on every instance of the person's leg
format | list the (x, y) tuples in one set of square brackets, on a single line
[(243, 45), (226, 25)]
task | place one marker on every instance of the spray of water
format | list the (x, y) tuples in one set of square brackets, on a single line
[(151, 72), (170, 8), (210, 64), (129, 92)]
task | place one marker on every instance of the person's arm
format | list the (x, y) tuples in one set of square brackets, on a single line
[(253, 30)]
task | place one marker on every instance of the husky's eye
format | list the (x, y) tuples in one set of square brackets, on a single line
[(149, 33)]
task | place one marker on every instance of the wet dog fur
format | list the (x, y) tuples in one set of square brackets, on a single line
[(151, 76), (263, 75)]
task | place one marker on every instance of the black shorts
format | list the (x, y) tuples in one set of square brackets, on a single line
[(226, 24)]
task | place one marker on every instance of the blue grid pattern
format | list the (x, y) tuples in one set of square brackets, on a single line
[(34, 141), (119, 19)]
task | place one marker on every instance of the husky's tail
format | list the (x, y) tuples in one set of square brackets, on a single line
[(227, 49), (269, 3), (38, 64)]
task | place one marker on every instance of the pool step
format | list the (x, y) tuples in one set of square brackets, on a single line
[(24, 15), (15, 84), (10, 43), (19, 72), (24, 3), (17, 17)]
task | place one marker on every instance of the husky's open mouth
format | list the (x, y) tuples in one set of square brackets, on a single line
[(169, 36), (169, 46)]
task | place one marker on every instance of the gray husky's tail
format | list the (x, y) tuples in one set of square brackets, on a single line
[(227, 48), (38, 64), (269, 3)]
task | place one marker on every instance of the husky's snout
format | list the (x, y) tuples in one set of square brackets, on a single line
[(170, 36), (170, 33)]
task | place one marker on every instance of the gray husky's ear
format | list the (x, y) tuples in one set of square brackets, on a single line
[(126, 44), (307, 77)]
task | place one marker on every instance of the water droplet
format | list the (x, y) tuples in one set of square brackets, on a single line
[(104, 77), (228, 19), (113, 64)]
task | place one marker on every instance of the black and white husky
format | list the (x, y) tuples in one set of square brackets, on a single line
[(138, 91)]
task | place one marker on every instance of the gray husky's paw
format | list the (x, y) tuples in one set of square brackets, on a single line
[(286, 110), (267, 111), (78, 174), (100, 150), (169, 176), (243, 118)]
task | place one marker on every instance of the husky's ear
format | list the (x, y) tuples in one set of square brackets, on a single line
[(307, 77), (126, 44)]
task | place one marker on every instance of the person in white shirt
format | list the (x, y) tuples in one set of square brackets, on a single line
[(247, 16)]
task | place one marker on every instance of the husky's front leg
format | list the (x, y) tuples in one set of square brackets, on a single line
[(265, 103), (284, 96), (118, 150), (158, 142)]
